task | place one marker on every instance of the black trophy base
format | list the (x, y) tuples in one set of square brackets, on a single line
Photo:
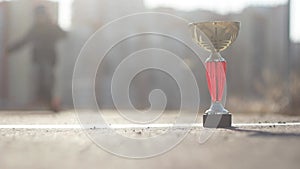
[(217, 120)]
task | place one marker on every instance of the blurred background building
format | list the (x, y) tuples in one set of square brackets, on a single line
[(263, 71)]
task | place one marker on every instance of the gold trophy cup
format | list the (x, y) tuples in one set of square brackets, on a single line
[(215, 37)]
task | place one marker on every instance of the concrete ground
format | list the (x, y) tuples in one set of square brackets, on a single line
[(262, 145)]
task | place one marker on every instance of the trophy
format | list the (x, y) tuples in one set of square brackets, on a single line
[(215, 37)]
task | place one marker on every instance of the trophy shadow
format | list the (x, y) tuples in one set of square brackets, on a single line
[(260, 133)]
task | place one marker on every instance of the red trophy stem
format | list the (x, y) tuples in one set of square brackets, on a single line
[(216, 79)]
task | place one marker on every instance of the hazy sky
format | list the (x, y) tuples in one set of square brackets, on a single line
[(220, 6)]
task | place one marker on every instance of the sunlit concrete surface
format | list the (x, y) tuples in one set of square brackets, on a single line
[(271, 141)]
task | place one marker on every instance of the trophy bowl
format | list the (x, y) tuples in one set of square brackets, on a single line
[(219, 34)]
